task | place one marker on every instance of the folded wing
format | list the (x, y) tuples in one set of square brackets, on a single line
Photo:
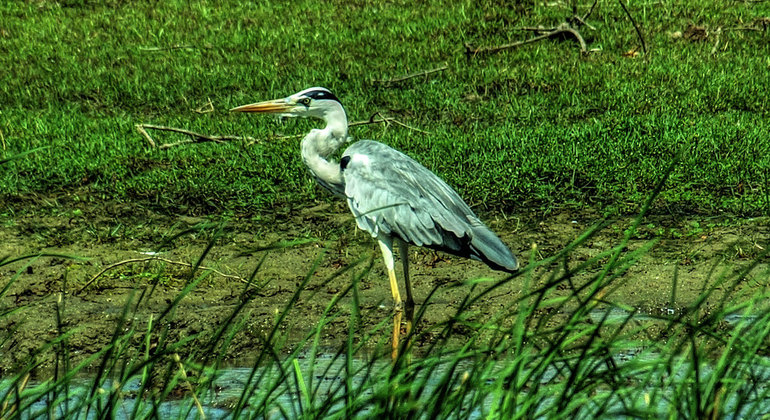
[(390, 193)]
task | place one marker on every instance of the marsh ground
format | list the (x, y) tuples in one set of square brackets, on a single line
[(543, 141), (691, 251)]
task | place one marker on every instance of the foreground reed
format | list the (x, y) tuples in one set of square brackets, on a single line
[(562, 348)]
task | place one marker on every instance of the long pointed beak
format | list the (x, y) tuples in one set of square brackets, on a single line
[(274, 106)]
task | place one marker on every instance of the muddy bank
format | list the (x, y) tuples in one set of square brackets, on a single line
[(157, 250)]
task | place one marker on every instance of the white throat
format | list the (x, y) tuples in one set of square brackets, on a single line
[(319, 144)]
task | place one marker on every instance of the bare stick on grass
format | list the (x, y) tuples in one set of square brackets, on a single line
[(205, 109), (166, 260), (386, 120), (171, 47), (371, 120), (410, 76), (570, 27), (636, 27), (564, 28), (194, 137), (203, 138)]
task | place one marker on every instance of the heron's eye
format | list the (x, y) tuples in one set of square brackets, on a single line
[(305, 101)]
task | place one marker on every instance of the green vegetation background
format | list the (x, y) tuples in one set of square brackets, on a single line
[(541, 126)]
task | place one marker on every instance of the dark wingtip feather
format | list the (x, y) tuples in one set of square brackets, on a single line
[(487, 247)]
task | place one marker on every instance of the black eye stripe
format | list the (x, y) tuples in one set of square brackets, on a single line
[(344, 162), (321, 94)]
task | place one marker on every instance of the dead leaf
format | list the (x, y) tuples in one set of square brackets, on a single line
[(696, 33), (634, 52)]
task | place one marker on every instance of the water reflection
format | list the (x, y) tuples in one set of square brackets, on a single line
[(285, 389)]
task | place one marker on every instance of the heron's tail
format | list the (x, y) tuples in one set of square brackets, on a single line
[(488, 248)]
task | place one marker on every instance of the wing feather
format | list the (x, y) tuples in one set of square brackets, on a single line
[(390, 193), (389, 190)]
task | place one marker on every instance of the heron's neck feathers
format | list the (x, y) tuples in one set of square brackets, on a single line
[(319, 144), (337, 123)]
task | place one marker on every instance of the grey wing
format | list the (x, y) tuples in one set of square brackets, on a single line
[(392, 194)]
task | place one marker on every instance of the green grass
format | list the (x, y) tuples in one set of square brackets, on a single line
[(539, 126), (561, 349)]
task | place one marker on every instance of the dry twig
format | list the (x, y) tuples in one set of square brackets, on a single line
[(571, 27), (293, 136), (576, 21), (759, 24), (143, 132), (156, 258), (636, 27), (410, 76), (202, 138), (386, 120), (716, 43), (170, 47), (564, 28), (194, 137), (205, 109)]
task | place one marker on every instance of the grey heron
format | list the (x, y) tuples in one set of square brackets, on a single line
[(393, 197)]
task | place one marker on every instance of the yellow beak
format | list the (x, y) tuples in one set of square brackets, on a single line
[(277, 105)]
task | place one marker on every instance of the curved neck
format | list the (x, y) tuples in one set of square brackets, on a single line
[(319, 144)]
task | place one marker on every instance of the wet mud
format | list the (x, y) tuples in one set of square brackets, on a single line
[(321, 247)]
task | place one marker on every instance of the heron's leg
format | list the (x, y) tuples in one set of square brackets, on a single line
[(386, 246), (403, 249), (396, 334)]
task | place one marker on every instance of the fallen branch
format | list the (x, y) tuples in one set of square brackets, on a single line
[(410, 76), (570, 27), (564, 28), (165, 260), (170, 47), (371, 120), (205, 109), (539, 29), (582, 20), (194, 137), (636, 27), (202, 138), (758, 24), (576, 21), (146, 135), (716, 43), (293, 136), (386, 120)]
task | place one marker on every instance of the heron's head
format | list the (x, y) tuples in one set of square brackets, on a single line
[(314, 102)]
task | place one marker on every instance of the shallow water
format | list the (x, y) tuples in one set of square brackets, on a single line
[(325, 379), (617, 315)]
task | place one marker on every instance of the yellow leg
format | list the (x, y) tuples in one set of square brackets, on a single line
[(396, 315), (386, 246), (394, 290), (396, 334)]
